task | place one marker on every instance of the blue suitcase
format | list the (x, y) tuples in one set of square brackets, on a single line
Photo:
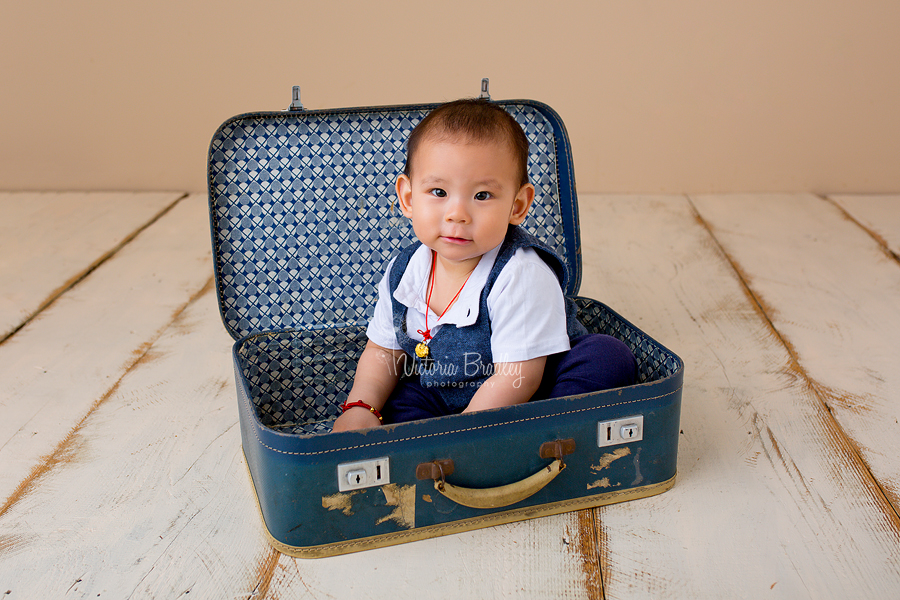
[(303, 226)]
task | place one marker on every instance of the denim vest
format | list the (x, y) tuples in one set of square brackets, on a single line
[(460, 358)]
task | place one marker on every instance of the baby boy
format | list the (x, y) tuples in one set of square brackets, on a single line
[(473, 316)]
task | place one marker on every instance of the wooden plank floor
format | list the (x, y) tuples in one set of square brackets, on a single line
[(121, 471)]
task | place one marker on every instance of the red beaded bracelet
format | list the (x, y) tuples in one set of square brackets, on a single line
[(373, 410)]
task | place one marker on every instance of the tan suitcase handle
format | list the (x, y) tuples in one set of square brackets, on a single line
[(504, 495)]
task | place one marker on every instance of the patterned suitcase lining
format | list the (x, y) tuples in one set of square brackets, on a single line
[(303, 219), (298, 379)]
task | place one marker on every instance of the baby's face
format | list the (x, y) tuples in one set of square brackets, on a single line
[(461, 196)]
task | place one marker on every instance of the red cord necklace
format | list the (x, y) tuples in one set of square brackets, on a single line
[(422, 347)]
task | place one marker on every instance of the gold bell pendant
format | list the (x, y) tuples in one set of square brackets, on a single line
[(422, 350)]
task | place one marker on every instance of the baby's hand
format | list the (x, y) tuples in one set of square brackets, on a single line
[(356, 417)]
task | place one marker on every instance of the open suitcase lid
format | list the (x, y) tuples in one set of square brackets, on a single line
[(302, 209)]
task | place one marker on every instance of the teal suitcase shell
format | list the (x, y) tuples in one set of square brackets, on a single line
[(303, 226)]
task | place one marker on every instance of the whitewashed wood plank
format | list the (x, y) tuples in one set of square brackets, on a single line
[(836, 302), (49, 240), (149, 497), (548, 558), (65, 359), (770, 501), (878, 214)]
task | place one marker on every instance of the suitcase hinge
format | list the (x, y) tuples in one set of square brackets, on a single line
[(485, 94), (295, 99)]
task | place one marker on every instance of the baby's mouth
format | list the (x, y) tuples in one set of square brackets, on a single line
[(455, 240)]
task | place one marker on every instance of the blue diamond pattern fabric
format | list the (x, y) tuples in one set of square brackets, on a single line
[(303, 216)]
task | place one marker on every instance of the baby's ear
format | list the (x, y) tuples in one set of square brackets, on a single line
[(404, 195), (521, 204)]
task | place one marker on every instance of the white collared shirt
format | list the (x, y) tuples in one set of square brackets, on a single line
[(526, 306)]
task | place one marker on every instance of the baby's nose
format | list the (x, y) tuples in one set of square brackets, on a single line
[(457, 210)]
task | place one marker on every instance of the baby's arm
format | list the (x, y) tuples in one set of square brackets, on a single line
[(511, 383), (377, 373)]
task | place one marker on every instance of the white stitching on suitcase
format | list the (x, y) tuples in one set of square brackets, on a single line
[(419, 437)]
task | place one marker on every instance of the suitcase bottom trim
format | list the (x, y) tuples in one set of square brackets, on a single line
[(431, 531)]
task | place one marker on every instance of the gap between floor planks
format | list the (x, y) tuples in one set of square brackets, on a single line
[(810, 228), (649, 258), (765, 312), (92, 334), (79, 235), (868, 212)]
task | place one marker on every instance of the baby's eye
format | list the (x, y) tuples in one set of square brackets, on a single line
[(482, 195), (438, 192)]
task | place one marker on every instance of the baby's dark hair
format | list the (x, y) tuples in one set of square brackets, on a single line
[(473, 119)]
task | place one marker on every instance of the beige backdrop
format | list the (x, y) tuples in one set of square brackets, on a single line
[(657, 95)]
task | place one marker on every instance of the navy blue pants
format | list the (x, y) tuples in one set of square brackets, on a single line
[(596, 362)]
